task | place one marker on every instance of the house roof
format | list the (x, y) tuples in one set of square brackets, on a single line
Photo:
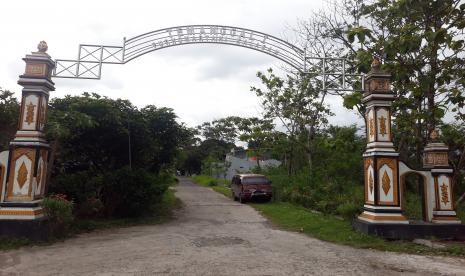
[(251, 175)]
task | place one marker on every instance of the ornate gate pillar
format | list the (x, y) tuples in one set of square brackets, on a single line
[(382, 211), (436, 159), (27, 159), (381, 165)]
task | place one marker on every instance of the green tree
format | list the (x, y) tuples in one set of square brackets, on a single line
[(224, 129), (9, 111), (298, 105), (420, 43), (259, 135), (110, 155)]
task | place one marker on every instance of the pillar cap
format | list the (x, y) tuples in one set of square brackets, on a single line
[(376, 70), (377, 83), (41, 53), (39, 68)]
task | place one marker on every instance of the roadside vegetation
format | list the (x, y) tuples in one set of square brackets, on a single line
[(111, 163), (330, 228), (322, 165), (219, 185)]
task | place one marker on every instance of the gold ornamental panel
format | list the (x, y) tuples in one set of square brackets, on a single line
[(30, 113), (42, 118), (2, 178), (22, 175), (372, 127), (436, 159), (370, 182), (368, 179), (382, 126), (379, 85), (386, 186), (21, 212), (18, 153), (36, 70), (386, 183), (444, 194), (42, 174)]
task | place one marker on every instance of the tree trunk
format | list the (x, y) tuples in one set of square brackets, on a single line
[(309, 148), (418, 134), (51, 161), (460, 198), (457, 173), (291, 158)]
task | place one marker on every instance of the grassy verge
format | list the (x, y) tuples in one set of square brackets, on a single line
[(218, 185), (327, 227), (9, 243), (330, 228), (162, 212)]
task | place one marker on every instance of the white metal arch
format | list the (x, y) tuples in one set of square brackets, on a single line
[(91, 57), (331, 72)]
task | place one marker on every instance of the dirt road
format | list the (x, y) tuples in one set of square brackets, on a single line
[(213, 235)]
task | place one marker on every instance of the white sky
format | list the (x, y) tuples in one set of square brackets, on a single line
[(200, 82)]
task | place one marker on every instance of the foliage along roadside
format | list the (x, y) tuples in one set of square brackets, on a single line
[(162, 212), (218, 185), (330, 228), (111, 158)]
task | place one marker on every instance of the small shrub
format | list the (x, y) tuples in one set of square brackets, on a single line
[(91, 208), (79, 186), (205, 180), (212, 182), (348, 210), (132, 193), (59, 211)]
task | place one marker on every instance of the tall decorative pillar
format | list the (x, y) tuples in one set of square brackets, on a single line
[(436, 159), (25, 173), (381, 165)]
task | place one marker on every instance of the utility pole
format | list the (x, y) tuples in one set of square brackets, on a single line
[(129, 146)]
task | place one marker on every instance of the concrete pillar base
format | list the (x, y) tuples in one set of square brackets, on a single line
[(34, 230), (411, 230)]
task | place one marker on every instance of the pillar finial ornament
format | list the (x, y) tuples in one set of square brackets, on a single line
[(434, 135), (42, 47), (376, 64)]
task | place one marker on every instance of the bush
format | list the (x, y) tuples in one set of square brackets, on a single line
[(117, 193), (212, 182), (205, 180), (91, 208), (59, 211), (80, 187), (320, 191), (132, 193), (348, 210)]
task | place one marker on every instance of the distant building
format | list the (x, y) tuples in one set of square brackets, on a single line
[(239, 162)]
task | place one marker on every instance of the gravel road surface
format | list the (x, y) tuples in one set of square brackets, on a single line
[(213, 235)]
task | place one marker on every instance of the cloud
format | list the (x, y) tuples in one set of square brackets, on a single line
[(200, 82)]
